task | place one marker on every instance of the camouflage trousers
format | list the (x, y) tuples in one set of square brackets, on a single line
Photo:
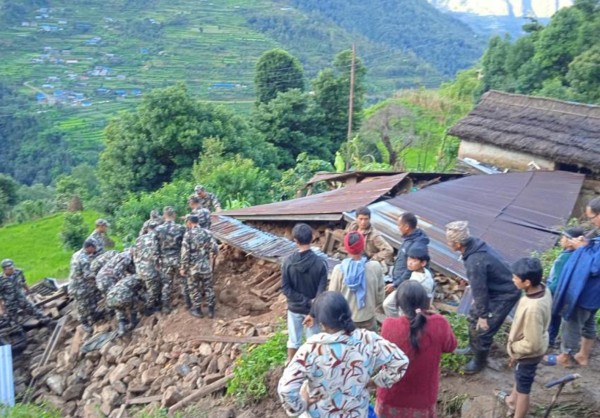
[(151, 278), (87, 297), (169, 274), (105, 282), (125, 306), (19, 308), (199, 283)]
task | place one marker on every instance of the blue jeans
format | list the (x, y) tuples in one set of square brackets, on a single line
[(296, 329)]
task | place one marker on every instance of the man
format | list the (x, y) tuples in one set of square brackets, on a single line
[(145, 257), (360, 281), (376, 247), (114, 270), (101, 260), (196, 249), (13, 290), (304, 276), (169, 236), (125, 297), (411, 235), (494, 294), (100, 235), (83, 286), (154, 218), (208, 200), (577, 298)]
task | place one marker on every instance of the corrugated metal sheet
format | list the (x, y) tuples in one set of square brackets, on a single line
[(255, 242), (360, 175), (327, 206), (7, 385), (516, 213)]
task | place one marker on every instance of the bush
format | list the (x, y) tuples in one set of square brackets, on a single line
[(28, 411), (74, 231), (453, 362)]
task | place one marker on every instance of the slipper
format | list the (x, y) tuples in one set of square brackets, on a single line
[(501, 396), (550, 360)]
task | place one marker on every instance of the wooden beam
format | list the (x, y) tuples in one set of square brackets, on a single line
[(229, 339), (144, 399), (200, 393)]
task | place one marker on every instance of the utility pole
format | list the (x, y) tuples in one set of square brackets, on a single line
[(351, 106)]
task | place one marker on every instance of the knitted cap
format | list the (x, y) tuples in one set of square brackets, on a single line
[(458, 231), (354, 243)]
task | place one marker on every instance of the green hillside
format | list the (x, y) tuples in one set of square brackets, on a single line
[(35, 246)]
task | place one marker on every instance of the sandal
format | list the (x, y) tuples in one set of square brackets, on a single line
[(552, 360), (549, 360), (501, 396)]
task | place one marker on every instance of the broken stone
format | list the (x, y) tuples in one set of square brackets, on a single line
[(119, 373), (137, 388), (222, 363), (100, 372), (39, 372), (69, 408), (91, 410), (211, 378), (212, 366), (73, 392), (171, 396), (150, 356), (480, 407), (56, 383), (161, 359), (119, 387), (109, 398), (114, 353), (183, 370), (90, 391), (150, 375), (204, 350), (55, 401)]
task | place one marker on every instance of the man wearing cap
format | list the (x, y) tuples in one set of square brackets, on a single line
[(154, 218), (376, 247), (82, 285), (114, 270), (170, 236), (12, 295), (360, 281), (494, 294), (208, 200), (145, 258), (196, 249), (99, 235), (126, 297)]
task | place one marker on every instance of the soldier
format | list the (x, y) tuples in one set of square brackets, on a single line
[(169, 236), (197, 246), (100, 236), (101, 260), (12, 295), (82, 284), (155, 218), (208, 200), (125, 297), (145, 257), (198, 210), (114, 270)]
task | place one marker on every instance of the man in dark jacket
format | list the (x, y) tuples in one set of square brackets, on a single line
[(304, 276), (494, 294), (411, 235)]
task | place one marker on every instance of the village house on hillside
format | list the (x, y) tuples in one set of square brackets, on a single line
[(524, 132)]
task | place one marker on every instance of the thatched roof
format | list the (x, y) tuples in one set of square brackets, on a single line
[(563, 132)]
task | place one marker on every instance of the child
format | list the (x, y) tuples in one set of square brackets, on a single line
[(569, 241), (416, 262), (528, 338)]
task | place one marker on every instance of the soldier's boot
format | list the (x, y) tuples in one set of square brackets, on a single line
[(477, 363), (122, 330), (197, 312), (467, 351), (134, 320), (211, 312), (188, 300)]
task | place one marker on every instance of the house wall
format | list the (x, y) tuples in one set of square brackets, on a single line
[(500, 157)]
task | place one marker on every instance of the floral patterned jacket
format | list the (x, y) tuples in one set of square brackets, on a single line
[(337, 368)]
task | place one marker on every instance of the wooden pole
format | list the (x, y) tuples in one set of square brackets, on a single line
[(351, 106)]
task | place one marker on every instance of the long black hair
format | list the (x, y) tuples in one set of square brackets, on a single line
[(331, 309), (412, 298)]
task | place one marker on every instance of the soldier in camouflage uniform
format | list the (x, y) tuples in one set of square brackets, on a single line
[(197, 209), (99, 235), (169, 236), (82, 285), (13, 290), (126, 297), (114, 270), (208, 200), (101, 260), (154, 218), (198, 244), (145, 257)]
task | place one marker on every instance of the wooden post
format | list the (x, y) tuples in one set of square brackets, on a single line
[(351, 105)]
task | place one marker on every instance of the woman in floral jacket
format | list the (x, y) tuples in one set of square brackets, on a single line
[(329, 375)]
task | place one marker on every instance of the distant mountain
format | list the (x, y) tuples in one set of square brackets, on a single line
[(512, 8)]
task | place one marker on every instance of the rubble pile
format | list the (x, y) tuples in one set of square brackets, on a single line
[(449, 289)]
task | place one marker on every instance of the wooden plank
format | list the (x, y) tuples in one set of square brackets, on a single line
[(57, 295), (445, 307), (144, 399), (121, 411), (230, 339), (206, 390)]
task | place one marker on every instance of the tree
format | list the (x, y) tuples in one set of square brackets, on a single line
[(74, 231), (277, 71), (294, 180), (584, 75), (494, 64)]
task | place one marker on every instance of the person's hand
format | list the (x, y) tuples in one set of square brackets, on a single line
[(482, 324), (309, 321), (181, 272), (389, 288), (307, 398), (511, 363)]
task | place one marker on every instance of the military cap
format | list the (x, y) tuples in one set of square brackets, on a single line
[(168, 211), (192, 218), (102, 222), (7, 262), (153, 223), (90, 242), (199, 188), (194, 198)]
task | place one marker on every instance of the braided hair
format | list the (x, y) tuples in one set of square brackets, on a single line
[(412, 298)]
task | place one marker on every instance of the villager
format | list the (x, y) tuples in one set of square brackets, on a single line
[(360, 281), (114, 270), (570, 240), (577, 298), (100, 235), (154, 218), (13, 289), (82, 285), (170, 236), (423, 336), (145, 258), (376, 247), (411, 235), (196, 249), (417, 261), (126, 297), (304, 276), (494, 294), (207, 200), (329, 375), (528, 337)]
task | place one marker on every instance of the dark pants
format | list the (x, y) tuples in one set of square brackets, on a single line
[(554, 328), (481, 341)]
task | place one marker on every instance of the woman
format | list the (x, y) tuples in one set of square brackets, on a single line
[(423, 336), (329, 375)]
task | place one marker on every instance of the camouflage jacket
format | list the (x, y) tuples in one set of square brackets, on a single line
[(113, 271), (146, 249), (81, 274), (100, 239), (144, 229), (12, 287), (210, 202), (124, 292), (196, 248), (169, 236), (101, 261)]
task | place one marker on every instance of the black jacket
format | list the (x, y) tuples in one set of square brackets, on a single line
[(401, 273), (304, 276), (489, 276)]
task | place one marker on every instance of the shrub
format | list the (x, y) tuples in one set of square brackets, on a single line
[(28, 411), (74, 231)]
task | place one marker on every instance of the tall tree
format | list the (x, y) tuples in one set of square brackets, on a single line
[(277, 71)]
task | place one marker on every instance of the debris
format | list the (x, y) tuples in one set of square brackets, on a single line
[(204, 391)]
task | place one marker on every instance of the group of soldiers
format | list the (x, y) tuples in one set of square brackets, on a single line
[(142, 278)]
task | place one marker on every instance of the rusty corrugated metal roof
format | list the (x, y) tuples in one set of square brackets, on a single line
[(360, 175), (328, 206), (516, 213), (255, 242)]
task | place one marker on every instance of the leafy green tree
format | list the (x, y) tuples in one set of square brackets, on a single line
[(293, 181), (277, 71), (494, 64), (74, 231), (584, 75), (10, 188)]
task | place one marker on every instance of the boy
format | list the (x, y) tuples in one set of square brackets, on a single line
[(416, 262), (569, 241), (528, 338)]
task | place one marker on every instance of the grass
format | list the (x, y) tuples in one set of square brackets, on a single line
[(35, 246), (28, 411)]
